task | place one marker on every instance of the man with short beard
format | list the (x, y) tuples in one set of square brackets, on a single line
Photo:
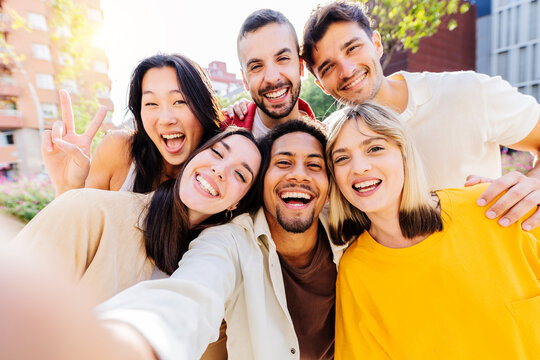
[(458, 119), (271, 275), (268, 51)]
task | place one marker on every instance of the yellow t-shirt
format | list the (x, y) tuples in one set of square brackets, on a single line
[(471, 291)]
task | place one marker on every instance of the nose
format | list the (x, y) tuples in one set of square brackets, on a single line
[(299, 173), (347, 68), (166, 116), (272, 73), (361, 165), (217, 171)]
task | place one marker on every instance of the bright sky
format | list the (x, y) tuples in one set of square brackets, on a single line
[(202, 30)]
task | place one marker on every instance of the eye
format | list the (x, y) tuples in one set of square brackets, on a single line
[(179, 102), (315, 166), (241, 176), (255, 67), (327, 70), (340, 159), (375, 148), (217, 153), (150, 104), (352, 48), (283, 163), (283, 58)]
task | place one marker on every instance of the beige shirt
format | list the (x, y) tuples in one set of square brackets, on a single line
[(231, 271), (95, 233)]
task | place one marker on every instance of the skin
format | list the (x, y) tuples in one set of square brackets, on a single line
[(270, 63), (346, 52), (296, 165), (165, 112), (229, 167)]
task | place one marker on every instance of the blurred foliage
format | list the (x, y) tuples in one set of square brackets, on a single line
[(402, 23), (513, 160), (25, 197), (225, 102), (321, 104)]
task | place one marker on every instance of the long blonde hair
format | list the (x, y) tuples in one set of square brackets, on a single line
[(417, 214)]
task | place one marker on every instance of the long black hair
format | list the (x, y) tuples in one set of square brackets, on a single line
[(199, 96), (167, 227)]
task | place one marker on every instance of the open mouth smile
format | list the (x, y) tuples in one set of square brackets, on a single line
[(276, 95), (366, 187), (173, 142), (206, 186), (296, 199), (355, 82)]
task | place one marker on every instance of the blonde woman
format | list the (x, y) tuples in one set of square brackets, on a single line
[(427, 276)]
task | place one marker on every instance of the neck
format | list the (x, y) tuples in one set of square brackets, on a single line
[(270, 122), (385, 229), (393, 93), (195, 218), (296, 248), (169, 171)]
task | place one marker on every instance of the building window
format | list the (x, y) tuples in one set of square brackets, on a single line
[(70, 86), (41, 51), (502, 64), (49, 111), (63, 32), (45, 81), (65, 59), (533, 21), (95, 15), (100, 67), (522, 70), (37, 22), (6, 138)]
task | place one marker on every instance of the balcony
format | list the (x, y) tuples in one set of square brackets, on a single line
[(8, 154), (10, 119), (8, 87)]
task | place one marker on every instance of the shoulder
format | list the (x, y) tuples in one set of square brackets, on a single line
[(88, 200), (117, 140)]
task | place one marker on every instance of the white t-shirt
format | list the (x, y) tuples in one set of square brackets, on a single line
[(459, 119), (259, 129)]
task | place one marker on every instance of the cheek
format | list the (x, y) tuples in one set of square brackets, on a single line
[(341, 178)]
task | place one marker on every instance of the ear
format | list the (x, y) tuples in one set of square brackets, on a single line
[(321, 86), (244, 81), (376, 38), (301, 67), (231, 208)]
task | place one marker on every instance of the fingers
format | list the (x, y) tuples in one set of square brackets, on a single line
[(96, 122), (57, 132), (522, 196), (76, 154), (229, 111), (67, 112), (532, 222), (475, 180), (240, 108), (46, 141)]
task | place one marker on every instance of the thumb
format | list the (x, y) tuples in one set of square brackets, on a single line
[(76, 154)]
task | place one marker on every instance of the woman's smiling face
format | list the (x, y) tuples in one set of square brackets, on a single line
[(217, 178), (368, 168)]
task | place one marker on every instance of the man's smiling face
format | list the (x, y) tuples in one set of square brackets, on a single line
[(296, 183)]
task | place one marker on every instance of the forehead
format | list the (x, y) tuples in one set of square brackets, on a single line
[(299, 144), (336, 35), (160, 77), (266, 41)]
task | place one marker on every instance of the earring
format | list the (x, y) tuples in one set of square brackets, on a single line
[(228, 215)]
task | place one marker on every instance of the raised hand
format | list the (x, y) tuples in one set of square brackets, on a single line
[(238, 109), (65, 153)]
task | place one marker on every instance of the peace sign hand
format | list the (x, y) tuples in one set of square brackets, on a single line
[(66, 154)]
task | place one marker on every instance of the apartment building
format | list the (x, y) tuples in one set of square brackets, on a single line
[(29, 83)]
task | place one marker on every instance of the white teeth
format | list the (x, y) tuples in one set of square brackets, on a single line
[(295, 195), (361, 186), (172, 136), (276, 94), (360, 78), (206, 186)]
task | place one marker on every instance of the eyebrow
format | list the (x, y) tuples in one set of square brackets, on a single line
[(343, 47), (365, 142), (175, 91), (279, 52), (244, 164), (288, 153)]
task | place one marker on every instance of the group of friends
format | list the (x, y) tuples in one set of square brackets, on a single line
[(221, 233)]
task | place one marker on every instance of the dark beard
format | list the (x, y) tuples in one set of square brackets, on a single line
[(276, 115), (295, 226)]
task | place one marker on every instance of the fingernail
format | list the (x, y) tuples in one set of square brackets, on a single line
[(504, 222), (481, 202), (527, 227), (491, 214), (49, 148)]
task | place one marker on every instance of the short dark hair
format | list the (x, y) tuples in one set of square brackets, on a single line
[(263, 17), (199, 96), (323, 16), (308, 126)]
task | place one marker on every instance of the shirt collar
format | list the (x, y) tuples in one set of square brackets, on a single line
[(418, 89)]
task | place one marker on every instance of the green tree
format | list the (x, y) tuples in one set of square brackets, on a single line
[(224, 102), (321, 104), (402, 23)]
